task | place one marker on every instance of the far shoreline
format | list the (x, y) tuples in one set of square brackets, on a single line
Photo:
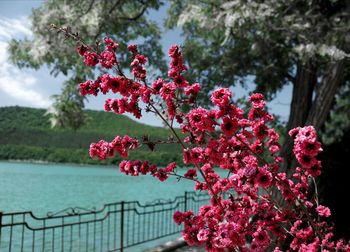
[(44, 162)]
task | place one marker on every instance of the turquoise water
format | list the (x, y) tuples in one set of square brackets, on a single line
[(46, 187), (43, 188)]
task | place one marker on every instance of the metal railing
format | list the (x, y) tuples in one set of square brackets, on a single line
[(113, 228)]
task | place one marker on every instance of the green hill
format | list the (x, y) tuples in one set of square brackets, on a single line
[(26, 134)]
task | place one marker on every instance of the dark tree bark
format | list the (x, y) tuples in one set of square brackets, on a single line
[(303, 88), (325, 95), (308, 111)]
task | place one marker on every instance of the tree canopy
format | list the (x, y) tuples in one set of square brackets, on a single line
[(268, 40), (123, 21), (300, 43)]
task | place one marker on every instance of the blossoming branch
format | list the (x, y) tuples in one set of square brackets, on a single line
[(251, 218)]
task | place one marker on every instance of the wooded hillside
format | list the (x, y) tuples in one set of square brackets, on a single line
[(26, 134)]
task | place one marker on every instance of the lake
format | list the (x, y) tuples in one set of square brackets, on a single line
[(43, 188), (51, 187)]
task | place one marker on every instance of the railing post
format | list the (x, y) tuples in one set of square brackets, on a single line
[(122, 226), (0, 225), (185, 205)]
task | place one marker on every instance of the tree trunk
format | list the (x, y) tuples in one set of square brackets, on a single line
[(303, 88), (304, 110), (325, 95)]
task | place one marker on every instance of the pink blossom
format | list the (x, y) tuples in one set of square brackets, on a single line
[(196, 155), (162, 175), (264, 178), (141, 59), (174, 51), (170, 167), (221, 97), (274, 148), (257, 100), (167, 92), (311, 148), (138, 70), (193, 89), (108, 59), (200, 119), (88, 88), (90, 58), (178, 217), (259, 129), (191, 173), (294, 132), (323, 211), (229, 126), (203, 235), (157, 85), (261, 237), (171, 109), (307, 132), (132, 48), (180, 81), (110, 44), (100, 149), (315, 170), (82, 49), (305, 160)]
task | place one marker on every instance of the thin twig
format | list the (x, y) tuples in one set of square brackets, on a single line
[(316, 191)]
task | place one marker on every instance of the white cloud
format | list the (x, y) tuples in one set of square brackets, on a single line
[(14, 82), (10, 28)]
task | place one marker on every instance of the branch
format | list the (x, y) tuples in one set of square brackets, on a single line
[(135, 17), (86, 12), (114, 7)]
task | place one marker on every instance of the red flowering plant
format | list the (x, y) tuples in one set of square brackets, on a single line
[(250, 218)]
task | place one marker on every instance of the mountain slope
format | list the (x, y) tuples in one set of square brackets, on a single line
[(25, 133)]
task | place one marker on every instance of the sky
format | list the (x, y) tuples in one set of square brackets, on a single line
[(31, 88)]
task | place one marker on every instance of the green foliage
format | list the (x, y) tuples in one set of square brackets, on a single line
[(124, 21), (67, 109), (272, 44), (26, 134), (339, 118), (264, 39)]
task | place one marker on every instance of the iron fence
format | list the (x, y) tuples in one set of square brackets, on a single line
[(114, 227)]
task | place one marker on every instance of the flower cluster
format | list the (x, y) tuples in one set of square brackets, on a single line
[(167, 90), (137, 64), (243, 214), (137, 167), (120, 145), (107, 58), (306, 148), (131, 91)]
